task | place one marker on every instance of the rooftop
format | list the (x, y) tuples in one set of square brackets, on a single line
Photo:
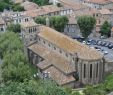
[(99, 1), (29, 5), (69, 45), (59, 77), (28, 24), (52, 58), (72, 4)]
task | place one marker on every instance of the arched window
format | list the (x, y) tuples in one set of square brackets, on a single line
[(49, 45), (29, 30), (90, 70), (60, 51), (97, 70), (44, 42), (66, 55), (54, 48), (84, 70)]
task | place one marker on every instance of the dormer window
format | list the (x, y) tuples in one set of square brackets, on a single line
[(60, 51), (66, 55), (54, 48)]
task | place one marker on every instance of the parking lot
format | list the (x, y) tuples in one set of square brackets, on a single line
[(104, 47)]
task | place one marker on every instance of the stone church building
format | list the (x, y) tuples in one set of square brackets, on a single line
[(61, 58)]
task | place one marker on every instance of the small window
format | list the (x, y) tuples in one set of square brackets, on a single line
[(90, 70), (66, 55), (54, 48), (84, 70), (60, 51), (97, 70), (39, 39), (29, 30), (97, 15), (49, 45), (2, 29), (44, 42)]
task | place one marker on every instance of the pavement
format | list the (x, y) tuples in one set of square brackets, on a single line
[(108, 56), (110, 93)]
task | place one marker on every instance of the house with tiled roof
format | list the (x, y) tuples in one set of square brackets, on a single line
[(98, 4), (48, 10), (29, 5)]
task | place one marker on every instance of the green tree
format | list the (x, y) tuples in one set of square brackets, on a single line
[(41, 20), (86, 25), (9, 41), (105, 28), (17, 7), (14, 27), (59, 22), (41, 2), (75, 93), (56, 22), (31, 87), (8, 4)]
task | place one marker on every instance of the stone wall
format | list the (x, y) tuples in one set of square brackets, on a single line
[(90, 72)]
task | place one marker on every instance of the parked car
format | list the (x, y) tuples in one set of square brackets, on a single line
[(93, 42), (103, 43), (99, 42), (107, 44), (103, 37), (105, 52), (110, 46)]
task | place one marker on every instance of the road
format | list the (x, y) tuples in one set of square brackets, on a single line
[(110, 93)]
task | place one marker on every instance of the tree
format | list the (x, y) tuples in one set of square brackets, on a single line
[(31, 87), (14, 27), (90, 90), (59, 22), (56, 22), (41, 2), (86, 25), (17, 7), (41, 20), (106, 29)]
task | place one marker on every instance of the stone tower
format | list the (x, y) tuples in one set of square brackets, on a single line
[(47, 22)]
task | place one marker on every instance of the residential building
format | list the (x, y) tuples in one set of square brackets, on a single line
[(29, 5), (2, 25), (98, 4), (72, 28)]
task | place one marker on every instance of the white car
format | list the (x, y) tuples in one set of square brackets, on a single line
[(105, 52), (84, 42)]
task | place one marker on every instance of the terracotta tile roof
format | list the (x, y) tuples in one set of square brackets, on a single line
[(99, 1), (72, 20), (50, 8), (68, 44), (28, 24), (72, 4), (59, 77), (52, 58), (105, 11), (29, 5), (42, 10), (44, 64), (35, 13)]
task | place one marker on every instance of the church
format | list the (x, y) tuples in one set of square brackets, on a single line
[(61, 58)]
